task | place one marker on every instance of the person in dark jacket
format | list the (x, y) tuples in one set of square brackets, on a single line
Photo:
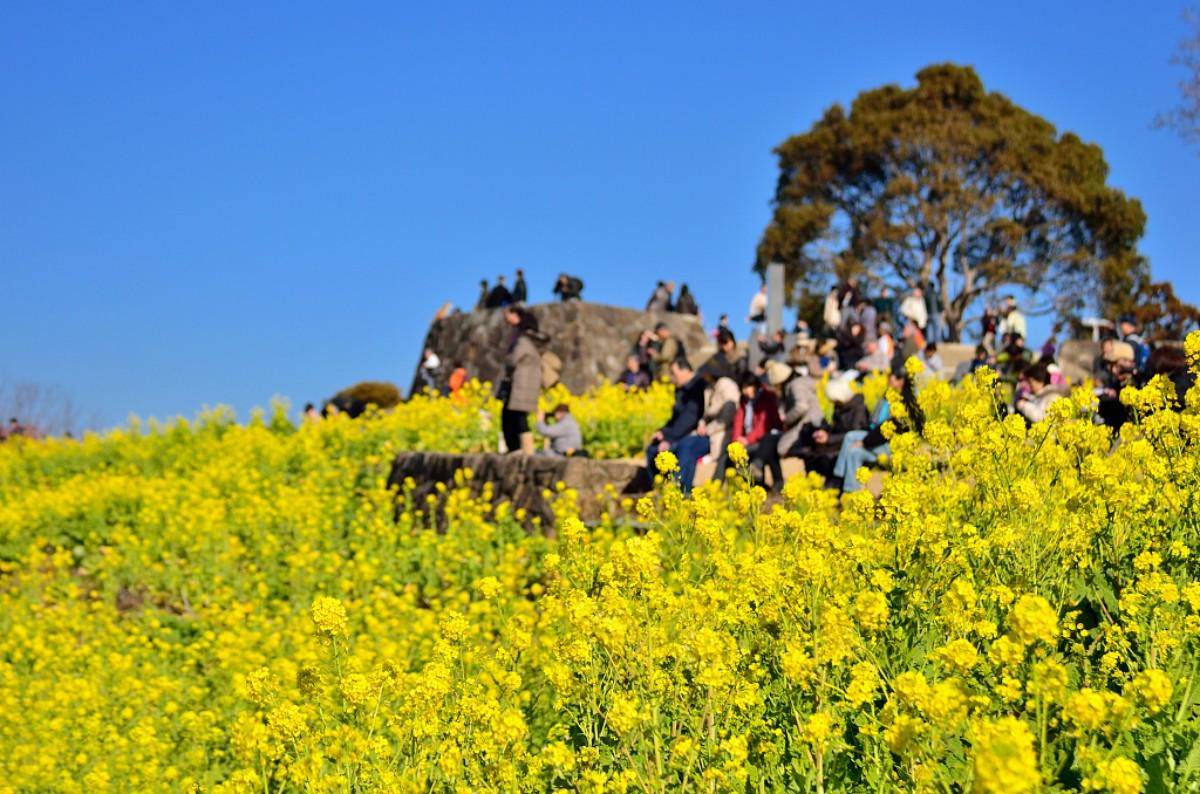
[(635, 376), (862, 447), (520, 292), (820, 444), (1171, 362), (568, 288), (499, 297), (728, 359), (679, 435), (483, 295), (850, 344), (522, 384), (686, 304)]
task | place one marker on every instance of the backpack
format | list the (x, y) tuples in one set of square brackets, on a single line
[(551, 369)]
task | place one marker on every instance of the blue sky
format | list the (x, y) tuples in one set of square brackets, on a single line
[(217, 203)]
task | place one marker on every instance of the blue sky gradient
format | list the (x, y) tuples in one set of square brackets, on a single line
[(216, 204)]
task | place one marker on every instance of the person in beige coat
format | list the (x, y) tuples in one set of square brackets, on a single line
[(522, 384), (720, 403)]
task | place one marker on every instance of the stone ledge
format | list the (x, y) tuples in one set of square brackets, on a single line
[(520, 479)]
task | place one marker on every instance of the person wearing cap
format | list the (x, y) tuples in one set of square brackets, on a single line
[(679, 433), (1121, 369), (1128, 329), (801, 411)]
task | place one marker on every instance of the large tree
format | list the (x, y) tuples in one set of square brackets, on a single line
[(951, 186)]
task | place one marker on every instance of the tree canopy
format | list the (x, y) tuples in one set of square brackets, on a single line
[(959, 190)]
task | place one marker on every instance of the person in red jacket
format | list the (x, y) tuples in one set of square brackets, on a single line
[(756, 417)]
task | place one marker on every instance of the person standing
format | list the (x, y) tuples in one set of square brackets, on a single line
[(522, 383), (833, 312), (686, 303), (520, 292), (669, 348), (660, 299), (1013, 321), (913, 308), (430, 364), (758, 308), (481, 304), (499, 297)]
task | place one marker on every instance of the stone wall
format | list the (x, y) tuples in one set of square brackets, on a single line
[(521, 479), (592, 339)]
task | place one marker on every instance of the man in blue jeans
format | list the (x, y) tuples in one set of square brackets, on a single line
[(679, 434)]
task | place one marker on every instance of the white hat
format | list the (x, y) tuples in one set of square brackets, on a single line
[(777, 372), (838, 390)]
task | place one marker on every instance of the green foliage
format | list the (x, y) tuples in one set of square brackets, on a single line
[(379, 393), (951, 185)]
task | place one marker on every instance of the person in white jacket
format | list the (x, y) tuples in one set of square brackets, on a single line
[(913, 308)]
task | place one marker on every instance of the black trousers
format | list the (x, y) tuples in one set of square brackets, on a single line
[(513, 424)]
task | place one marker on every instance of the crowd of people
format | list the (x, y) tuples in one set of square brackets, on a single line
[(767, 397), (764, 394), (498, 295), (14, 429)]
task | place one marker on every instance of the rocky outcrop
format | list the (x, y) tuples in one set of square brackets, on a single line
[(521, 479), (592, 340), (1076, 357)]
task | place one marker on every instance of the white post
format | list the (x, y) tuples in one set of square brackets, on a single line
[(775, 297)]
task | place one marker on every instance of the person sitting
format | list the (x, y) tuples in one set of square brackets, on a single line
[(875, 359), (720, 404), (862, 447), (686, 303), (773, 348), (668, 348), (634, 377), (1172, 364), (679, 434), (801, 411), (568, 288), (566, 439), (756, 418), (932, 360), (1121, 371), (819, 444), (850, 344), (728, 359), (1041, 394)]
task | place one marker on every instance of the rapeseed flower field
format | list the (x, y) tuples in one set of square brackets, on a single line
[(207, 606)]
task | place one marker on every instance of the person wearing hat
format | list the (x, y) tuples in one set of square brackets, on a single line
[(1122, 367), (1128, 328)]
